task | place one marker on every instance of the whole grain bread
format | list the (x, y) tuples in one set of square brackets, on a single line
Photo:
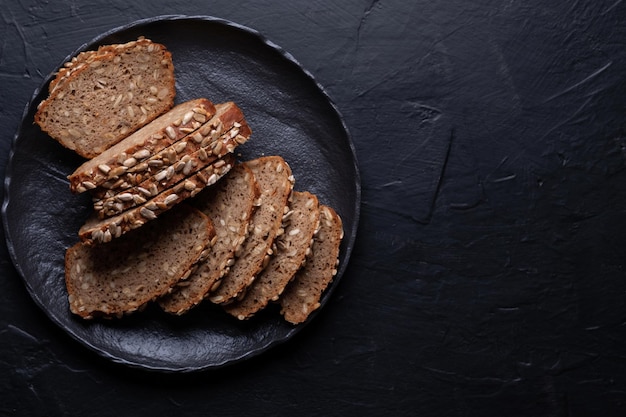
[(108, 95), (300, 224), (177, 123), (229, 205), (275, 181), (178, 167), (122, 276), (301, 296), (97, 230)]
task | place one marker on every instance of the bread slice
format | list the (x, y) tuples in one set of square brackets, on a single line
[(275, 180), (300, 224), (229, 205), (302, 295), (177, 123), (228, 117), (176, 169), (122, 276), (108, 96), (97, 230)]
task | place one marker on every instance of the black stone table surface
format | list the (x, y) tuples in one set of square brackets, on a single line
[(487, 276)]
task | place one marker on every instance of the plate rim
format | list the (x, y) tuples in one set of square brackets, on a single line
[(101, 352)]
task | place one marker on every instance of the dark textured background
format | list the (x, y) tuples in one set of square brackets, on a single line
[(488, 275)]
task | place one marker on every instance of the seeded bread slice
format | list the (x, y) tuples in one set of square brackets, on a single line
[(229, 205), (122, 276), (274, 177), (177, 123), (168, 175), (205, 140), (302, 295), (100, 101), (300, 224), (97, 230)]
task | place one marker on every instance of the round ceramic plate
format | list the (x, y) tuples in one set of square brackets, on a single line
[(290, 115)]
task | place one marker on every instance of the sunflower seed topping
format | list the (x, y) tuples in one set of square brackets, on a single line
[(161, 175), (200, 110), (197, 137), (125, 197), (170, 199), (141, 154), (130, 162), (137, 199), (188, 167), (190, 185), (202, 155), (89, 185), (217, 148), (155, 163), (199, 117), (105, 169), (169, 172), (179, 166), (180, 146), (116, 172), (147, 213), (187, 117)]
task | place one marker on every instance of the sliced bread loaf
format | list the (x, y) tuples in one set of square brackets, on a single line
[(177, 168), (229, 205), (275, 181), (97, 230), (108, 95), (300, 224), (120, 277), (302, 295), (177, 123)]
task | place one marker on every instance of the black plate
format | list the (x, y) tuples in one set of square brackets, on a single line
[(290, 115)]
